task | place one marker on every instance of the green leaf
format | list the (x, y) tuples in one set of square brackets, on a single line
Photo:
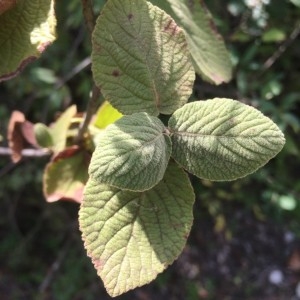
[(43, 135), (140, 58), (131, 237), (210, 57), (274, 35), (106, 115), (60, 128), (296, 2), (287, 202), (25, 32), (132, 153), (66, 175), (223, 139)]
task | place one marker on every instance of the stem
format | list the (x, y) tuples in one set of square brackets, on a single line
[(88, 13), (271, 60), (54, 268), (26, 152), (91, 109)]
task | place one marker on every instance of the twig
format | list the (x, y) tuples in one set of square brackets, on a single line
[(271, 60), (76, 43), (93, 103), (55, 267), (26, 152), (88, 13), (77, 69), (91, 109), (7, 168)]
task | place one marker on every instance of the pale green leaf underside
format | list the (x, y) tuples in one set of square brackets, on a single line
[(223, 139), (140, 58), (131, 237), (25, 31), (209, 54), (65, 178), (132, 153), (59, 129)]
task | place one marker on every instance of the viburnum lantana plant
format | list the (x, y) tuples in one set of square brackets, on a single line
[(136, 208)]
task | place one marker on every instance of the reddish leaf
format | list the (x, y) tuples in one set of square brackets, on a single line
[(294, 261), (19, 134), (27, 129), (65, 176), (14, 135), (6, 5), (67, 153), (59, 129)]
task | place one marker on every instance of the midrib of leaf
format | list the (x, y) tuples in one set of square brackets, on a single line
[(131, 237), (236, 138), (141, 46), (152, 141), (152, 80), (202, 39), (142, 146), (156, 96), (223, 139), (190, 134)]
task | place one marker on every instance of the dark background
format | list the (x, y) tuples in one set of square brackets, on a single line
[(245, 241)]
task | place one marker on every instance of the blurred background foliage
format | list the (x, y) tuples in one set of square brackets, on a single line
[(245, 242)]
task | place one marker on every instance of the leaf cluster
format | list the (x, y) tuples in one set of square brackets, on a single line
[(136, 211)]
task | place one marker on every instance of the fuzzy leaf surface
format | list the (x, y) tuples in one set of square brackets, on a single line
[(131, 237), (223, 139), (140, 58), (25, 32), (210, 57), (132, 153)]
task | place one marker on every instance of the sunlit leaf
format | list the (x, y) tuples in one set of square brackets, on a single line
[(140, 58), (132, 153), (25, 32), (131, 237), (296, 2), (60, 128), (106, 115), (210, 57), (223, 139)]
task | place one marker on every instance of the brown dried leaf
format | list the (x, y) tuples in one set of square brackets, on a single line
[(20, 134), (15, 137), (27, 129)]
